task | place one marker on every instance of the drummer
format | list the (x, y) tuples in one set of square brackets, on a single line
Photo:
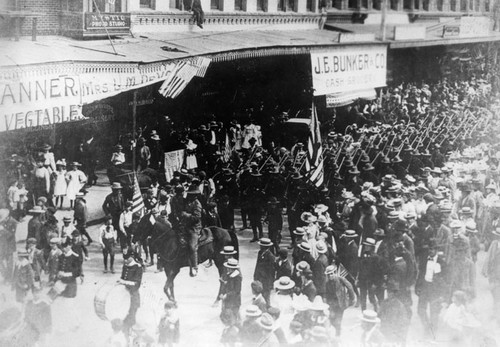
[(131, 277)]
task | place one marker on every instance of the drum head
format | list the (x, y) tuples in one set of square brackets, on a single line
[(112, 302)]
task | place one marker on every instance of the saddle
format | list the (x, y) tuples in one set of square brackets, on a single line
[(205, 237)]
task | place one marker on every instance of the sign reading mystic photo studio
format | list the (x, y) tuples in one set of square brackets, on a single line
[(348, 68)]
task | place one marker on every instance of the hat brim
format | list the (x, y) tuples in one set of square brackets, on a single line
[(36, 211), (350, 235), (230, 266), (228, 253), (279, 286), (304, 249), (265, 244)]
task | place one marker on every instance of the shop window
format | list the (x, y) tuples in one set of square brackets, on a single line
[(261, 5), (238, 5), (176, 4), (425, 5), (107, 6), (145, 3), (214, 4)]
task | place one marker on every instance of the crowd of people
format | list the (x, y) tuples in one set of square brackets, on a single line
[(407, 200)]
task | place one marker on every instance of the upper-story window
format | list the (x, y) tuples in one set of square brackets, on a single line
[(309, 5), (261, 5), (214, 4), (238, 5), (145, 3), (281, 5)]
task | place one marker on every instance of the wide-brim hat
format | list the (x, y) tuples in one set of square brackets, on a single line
[(31, 241), (331, 269), (67, 219), (296, 176), (321, 247), (491, 186), (37, 209), (350, 233), (370, 316), (265, 242), (228, 250), (306, 247), (354, 171), (23, 254), (396, 159), (75, 163), (322, 219), (320, 208), (299, 231), (369, 242), (232, 263), (308, 217), (379, 232), (266, 321), (154, 135), (116, 185), (252, 311), (193, 190), (119, 147), (284, 283), (368, 167)]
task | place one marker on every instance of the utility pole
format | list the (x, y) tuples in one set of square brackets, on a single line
[(382, 23)]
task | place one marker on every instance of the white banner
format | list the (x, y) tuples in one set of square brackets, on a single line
[(349, 68), (40, 99), (173, 162)]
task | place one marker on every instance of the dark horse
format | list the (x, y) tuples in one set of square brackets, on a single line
[(174, 256)]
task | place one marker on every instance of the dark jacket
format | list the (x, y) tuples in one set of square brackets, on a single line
[(264, 269), (318, 270), (283, 269), (232, 290), (339, 293)]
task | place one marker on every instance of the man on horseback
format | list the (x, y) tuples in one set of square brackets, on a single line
[(191, 226)]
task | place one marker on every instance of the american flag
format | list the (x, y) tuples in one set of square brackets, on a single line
[(227, 149), (342, 271), (314, 159), (176, 83), (137, 201), (202, 64)]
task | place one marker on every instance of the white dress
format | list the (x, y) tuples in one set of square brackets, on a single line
[(76, 179), (60, 185)]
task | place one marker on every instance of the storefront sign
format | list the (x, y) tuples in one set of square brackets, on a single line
[(474, 26), (110, 21), (356, 37), (451, 30), (32, 100), (349, 68), (409, 32)]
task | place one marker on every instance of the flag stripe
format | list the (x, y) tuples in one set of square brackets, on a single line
[(314, 159), (137, 201)]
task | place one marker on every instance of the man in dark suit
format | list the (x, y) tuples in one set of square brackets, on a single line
[(114, 204), (283, 266), (264, 269), (231, 289), (373, 271), (131, 278), (431, 289), (339, 295)]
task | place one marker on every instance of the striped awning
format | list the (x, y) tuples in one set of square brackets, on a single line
[(346, 98)]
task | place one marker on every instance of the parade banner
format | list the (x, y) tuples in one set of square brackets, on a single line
[(348, 68), (42, 99), (173, 162)]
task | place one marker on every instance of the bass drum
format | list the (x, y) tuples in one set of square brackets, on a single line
[(112, 301)]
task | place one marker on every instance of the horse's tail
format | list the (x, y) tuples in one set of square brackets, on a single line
[(234, 242)]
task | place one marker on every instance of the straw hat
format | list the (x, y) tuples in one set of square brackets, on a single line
[(284, 283), (37, 209), (300, 231), (252, 311), (265, 242), (116, 185), (321, 247), (266, 321), (228, 250), (318, 304), (232, 263), (350, 233), (370, 316), (305, 247)]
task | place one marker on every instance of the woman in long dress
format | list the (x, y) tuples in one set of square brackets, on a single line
[(76, 179), (60, 185)]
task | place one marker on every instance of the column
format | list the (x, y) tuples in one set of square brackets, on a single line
[(227, 5), (133, 5), (446, 5), (432, 5), (162, 5), (250, 5), (344, 4), (272, 6), (301, 6)]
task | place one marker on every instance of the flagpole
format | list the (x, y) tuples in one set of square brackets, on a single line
[(134, 119)]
